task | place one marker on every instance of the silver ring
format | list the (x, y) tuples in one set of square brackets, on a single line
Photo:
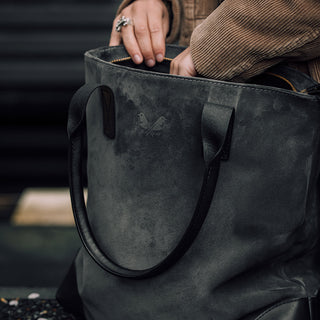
[(122, 22)]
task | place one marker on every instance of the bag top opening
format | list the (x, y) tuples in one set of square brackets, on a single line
[(162, 67), (268, 78)]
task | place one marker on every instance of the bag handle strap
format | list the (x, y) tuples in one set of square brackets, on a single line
[(216, 134)]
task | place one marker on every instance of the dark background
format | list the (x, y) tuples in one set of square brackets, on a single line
[(41, 65)]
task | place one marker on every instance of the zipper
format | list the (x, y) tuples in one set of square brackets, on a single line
[(283, 79)]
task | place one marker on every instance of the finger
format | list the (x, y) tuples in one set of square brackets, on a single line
[(180, 70), (165, 21), (142, 34), (184, 72), (157, 34), (186, 66), (174, 67), (165, 27), (130, 43), (115, 38)]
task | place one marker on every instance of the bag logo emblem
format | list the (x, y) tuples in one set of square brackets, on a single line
[(151, 129)]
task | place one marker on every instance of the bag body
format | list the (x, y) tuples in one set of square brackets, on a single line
[(203, 198)]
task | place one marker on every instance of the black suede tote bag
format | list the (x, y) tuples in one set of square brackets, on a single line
[(203, 196)]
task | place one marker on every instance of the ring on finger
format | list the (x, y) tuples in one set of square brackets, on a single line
[(122, 22)]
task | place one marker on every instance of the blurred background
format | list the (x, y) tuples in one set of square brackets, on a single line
[(41, 65)]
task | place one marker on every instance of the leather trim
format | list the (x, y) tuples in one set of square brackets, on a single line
[(109, 118)]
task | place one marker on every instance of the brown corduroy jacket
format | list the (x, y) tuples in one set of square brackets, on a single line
[(237, 39)]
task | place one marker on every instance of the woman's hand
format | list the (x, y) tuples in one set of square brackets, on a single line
[(183, 65), (144, 39)]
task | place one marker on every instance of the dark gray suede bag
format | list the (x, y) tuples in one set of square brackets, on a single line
[(203, 196)]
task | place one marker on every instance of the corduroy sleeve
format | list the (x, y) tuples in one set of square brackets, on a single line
[(242, 38), (174, 23)]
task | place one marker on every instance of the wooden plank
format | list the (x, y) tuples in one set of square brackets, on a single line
[(46, 207)]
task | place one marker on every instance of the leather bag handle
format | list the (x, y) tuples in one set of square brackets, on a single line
[(216, 130)]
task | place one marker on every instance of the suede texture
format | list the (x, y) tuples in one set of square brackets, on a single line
[(259, 242)]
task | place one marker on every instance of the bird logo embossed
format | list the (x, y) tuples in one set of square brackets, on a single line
[(151, 129)]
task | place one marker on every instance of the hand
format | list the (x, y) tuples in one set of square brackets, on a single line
[(182, 65), (145, 38)]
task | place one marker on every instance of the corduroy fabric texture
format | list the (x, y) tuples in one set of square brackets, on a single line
[(240, 39)]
